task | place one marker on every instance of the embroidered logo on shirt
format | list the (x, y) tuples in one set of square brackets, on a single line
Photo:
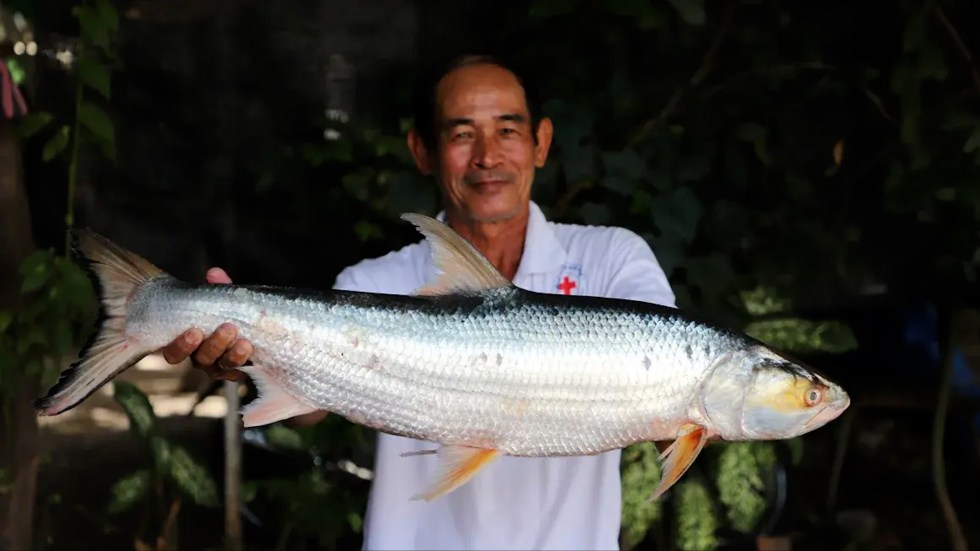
[(570, 280)]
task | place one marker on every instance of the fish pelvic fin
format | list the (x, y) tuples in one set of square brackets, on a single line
[(463, 267), (458, 465), (116, 273), (274, 403), (679, 456)]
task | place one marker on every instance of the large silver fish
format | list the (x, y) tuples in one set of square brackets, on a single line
[(470, 362)]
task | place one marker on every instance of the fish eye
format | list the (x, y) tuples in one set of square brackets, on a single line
[(813, 396)]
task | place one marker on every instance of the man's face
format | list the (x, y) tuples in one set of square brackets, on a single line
[(485, 153)]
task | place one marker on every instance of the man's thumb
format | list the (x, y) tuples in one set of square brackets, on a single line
[(217, 275)]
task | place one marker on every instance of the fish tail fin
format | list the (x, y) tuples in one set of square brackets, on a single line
[(116, 274)]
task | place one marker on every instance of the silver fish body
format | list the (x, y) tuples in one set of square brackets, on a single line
[(530, 373), (470, 362)]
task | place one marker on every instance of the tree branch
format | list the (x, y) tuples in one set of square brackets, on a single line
[(707, 63), (959, 43)]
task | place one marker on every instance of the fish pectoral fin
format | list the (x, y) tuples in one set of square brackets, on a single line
[(459, 465), (676, 459), (463, 267), (273, 402)]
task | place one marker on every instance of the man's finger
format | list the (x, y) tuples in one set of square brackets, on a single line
[(237, 355), (217, 275), (182, 347), (214, 346)]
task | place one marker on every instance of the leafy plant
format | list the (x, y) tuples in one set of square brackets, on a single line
[(174, 475), (58, 303)]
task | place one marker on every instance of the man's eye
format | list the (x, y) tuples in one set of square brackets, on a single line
[(508, 131)]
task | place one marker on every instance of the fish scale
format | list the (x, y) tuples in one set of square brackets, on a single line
[(572, 383), (470, 362)]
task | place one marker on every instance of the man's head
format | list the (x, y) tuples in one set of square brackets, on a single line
[(479, 132)]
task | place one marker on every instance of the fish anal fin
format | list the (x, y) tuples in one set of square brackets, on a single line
[(458, 465), (273, 403), (463, 267), (679, 456)]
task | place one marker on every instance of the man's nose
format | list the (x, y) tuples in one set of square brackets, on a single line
[(486, 152)]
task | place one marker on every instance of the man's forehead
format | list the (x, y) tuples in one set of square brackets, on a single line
[(488, 89)]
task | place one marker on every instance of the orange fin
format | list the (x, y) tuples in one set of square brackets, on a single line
[(679, 456), (273, 402), (459, 464)]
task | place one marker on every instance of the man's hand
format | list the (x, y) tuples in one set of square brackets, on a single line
[(218, 354)]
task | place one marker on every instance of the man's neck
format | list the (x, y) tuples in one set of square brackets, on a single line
[(502, 242)]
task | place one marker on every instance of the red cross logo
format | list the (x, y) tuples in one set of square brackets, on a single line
[(566, 285)]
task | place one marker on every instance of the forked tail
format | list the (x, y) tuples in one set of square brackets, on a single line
[(118, 273)]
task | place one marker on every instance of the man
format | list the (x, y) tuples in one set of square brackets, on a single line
[(480, 133)]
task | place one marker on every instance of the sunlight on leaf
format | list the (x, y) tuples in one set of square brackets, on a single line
[(129, 490), (696, 521), (137, 406), (192, 478), (804, 336), (641, 473)]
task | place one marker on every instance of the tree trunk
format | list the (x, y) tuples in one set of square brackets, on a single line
[(18, 422)]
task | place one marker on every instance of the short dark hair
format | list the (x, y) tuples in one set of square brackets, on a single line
[(424, 94)]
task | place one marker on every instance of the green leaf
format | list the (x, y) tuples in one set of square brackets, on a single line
[(108, 13), (56, 144), (641, 472), (93, 26), (367, 231), (142, 419), (6, 318), (408, 192), (804, 336), (281, 436), (62, 335), (33, 123), (764, 300), (96, 121), (973, 142), (35, 271), (161, 453), (712, 274), (192, 478), (696, 521), (359, 183), (94, 74), (740, 483), (691, 11), (130, 490), (678, 214)]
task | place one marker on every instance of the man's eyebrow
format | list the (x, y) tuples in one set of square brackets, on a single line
[(512, 117), (459, 121)]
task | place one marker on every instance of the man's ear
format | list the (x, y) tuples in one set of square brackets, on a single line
[(543, 145), (419, 152)]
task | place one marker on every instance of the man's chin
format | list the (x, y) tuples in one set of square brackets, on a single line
[(492, 215)]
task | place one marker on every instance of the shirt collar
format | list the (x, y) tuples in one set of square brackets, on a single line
[(542, 250)]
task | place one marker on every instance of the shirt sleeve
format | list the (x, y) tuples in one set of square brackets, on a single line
[(636, 273), (352, 279)]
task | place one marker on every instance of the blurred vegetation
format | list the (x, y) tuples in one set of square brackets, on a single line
[(785, 161)]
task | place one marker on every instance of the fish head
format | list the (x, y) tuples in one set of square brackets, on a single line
[(756, 394)]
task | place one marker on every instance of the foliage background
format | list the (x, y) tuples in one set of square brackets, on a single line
[(808, 172)]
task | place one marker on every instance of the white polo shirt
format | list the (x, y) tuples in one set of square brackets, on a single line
[(514, 502)]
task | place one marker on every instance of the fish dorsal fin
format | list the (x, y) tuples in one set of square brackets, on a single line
[(463, 267)]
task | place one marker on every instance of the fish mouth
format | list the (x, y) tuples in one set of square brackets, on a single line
[(827, 413)]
